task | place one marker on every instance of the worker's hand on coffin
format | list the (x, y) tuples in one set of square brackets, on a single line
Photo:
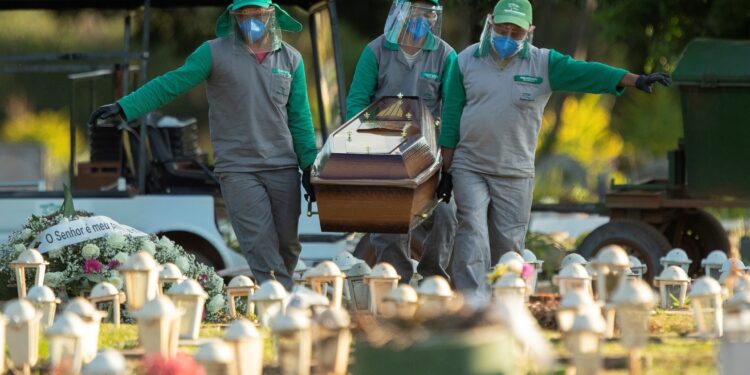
[(307, 185), (106, 111), (445, 187), (645, 81)]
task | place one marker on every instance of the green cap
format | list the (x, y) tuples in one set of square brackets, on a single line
[(517, 12), (286, 22)]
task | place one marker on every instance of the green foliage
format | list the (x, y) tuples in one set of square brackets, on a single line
[(548, 249)]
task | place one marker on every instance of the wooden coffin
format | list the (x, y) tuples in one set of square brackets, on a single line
[(378, 172)]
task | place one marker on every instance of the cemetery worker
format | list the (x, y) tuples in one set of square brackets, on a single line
[(260, 123), (409, 58), (492, 112)]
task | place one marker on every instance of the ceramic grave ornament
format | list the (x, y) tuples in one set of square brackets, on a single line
[(3, 330), (573, 276), (159, 327), (573, 258), (269, 300), (401, 302), (356, 292), (107, 292), (583, 340), (92, 319), (327, 275), (416, 278), (435, 295), (634, 301), (293, 342), (216, 357), (65, 341), (381, 280), (22, 334), (672, 282), (333, 341), (247, 347), (305, 299), (107, 362), (44, 300), (713, 262), (637, 267), (530, 258), (734, 346), (575, 302), (509, 284), (29, 259), (345, 261), (189, 297), (610, 265), (676, 257), (169, 274), (706, 303), (141, 274), (299, 272), (240, 287)]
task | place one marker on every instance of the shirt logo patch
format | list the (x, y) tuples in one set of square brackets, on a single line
[(430, 75), (281, 72), (529, 79), (527, 97)]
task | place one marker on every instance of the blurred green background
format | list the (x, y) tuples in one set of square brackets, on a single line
[(586, 140)]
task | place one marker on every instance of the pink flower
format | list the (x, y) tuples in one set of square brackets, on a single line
[(92, 266), (113, 264), (527, 271), (154, 364)]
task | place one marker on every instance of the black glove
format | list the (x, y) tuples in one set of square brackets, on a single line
[(445, 187), (307, 185), (106, 111), (645, 81)]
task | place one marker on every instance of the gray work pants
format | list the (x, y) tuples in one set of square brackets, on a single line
[(493, 215), (264, 208), (438, 232)]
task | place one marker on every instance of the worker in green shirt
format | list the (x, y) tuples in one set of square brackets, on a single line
[(492, 112), (260, 123), (409, 59)]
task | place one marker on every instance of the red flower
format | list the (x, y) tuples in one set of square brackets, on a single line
[(92, 266), (155, 364), (113, 264)]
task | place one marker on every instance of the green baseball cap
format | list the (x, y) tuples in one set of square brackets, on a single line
[(285, 21), (517, 12)]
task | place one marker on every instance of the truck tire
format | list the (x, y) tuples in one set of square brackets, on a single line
[(365, 251), (638, 238), (698, 233)]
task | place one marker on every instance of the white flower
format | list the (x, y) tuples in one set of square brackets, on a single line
[(116, 281), (116, 240), (148, 247), (216, 303), (90, 251), (218, 283), (182, 263), (165, 243), (19, 247), (54, 254), (121, 257), (26, 234), (64, 220), (53, 279)]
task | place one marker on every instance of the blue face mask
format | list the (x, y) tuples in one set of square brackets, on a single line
[(418, 28), (505, 45), (253, 28)]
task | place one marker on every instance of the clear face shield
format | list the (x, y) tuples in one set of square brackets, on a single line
[(410, 24), (504, 40), (256, 29)]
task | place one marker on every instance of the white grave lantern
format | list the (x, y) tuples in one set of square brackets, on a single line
[(573, 258), (106, 292), (240, 286), (107, 362), (610, 265), (269, 300), (22, 334), (583, 340), (381, 280), (333, 341), (509, 284), (305, 299), (345, 260), (293, 342), (401, 302), (705, 298), (247, 347), (634, 301), (159, 327), (713, 262), (188, 295), (573, 276), (416, 278), (169, 274), (575, 302), (734, 348), (216, 357), (3, 330), (513, 261), (530, 258), (92, 318), (358, 293), (44, 301), (141, 275), (511, 255), (299, 272), (28, 259), (327, 275), (65, 341), (676, 257), (637, 267), (673, 281), (435, 295)]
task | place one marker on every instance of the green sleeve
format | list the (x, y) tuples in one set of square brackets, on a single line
[(363, 84), (454, 100), (450, 60), (569, 74), (166, 87), (300, 119)]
